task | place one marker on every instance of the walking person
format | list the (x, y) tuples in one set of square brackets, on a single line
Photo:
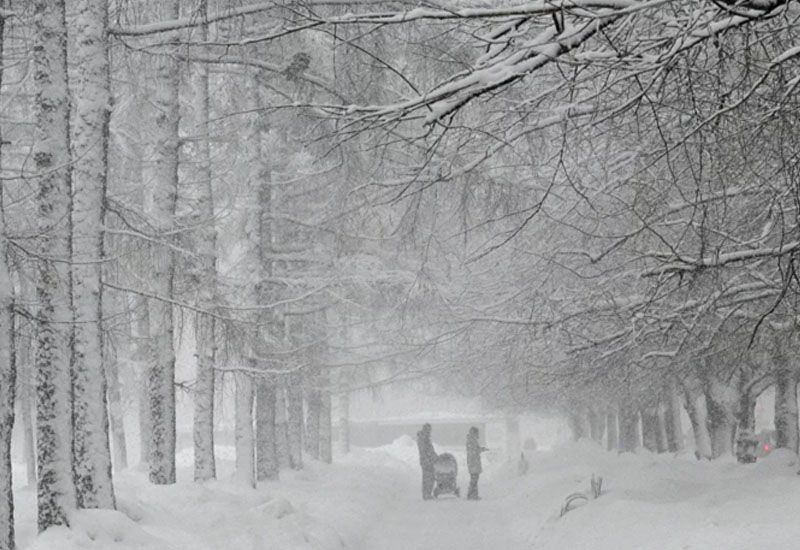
[(427, 457), (474, 451)]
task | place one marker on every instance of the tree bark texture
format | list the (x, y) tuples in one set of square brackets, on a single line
[(294, 411), (161, 208), (325, 428), (204, 460), (91, 94), (142, 354), (721, 401), (786, 407), (115, 409), (8, 383), (313, 411), (245, 440), (266, 453), (695, 402), (50, 154), (282, 428), (8, 362)]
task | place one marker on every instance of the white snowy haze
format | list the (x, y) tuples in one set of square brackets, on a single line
[(399, 274)]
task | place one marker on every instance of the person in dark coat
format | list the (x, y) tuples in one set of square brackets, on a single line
[(474, 467), (427, 456)]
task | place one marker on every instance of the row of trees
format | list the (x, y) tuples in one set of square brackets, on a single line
[(588, 206), (149, 184), (633, 246)]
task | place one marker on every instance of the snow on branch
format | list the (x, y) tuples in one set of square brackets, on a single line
[(685, 265), (500, 67), (190, 21)]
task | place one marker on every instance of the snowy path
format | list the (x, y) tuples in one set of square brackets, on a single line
[(443, 524)]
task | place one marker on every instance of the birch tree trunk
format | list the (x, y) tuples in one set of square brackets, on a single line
[(204, 460), (8, 361), (141, 337), (92, 105), (115, 409), (50, 153), (7, 388), (266, 456), (29, 435), (245, 460), (8, 371), (161, 205), (25, 375)]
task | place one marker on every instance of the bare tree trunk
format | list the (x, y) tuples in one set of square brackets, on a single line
[(8, 372), (203, 426), (695, 402), (7, 397), (282, 428), (344, 421), (673, 419), (663, 438), (26, 379), (577, 423), (8, 359), (294, 410), (649, 415), (325, 435), (628, 428), (786, 407), (161, 207), (50, 153), (721, 400), (116, 414), (268, 462), (596, 424), (245, 441), (266, 454), (612, 441), (313, 411), (204, 460), (92, 106), (29, 430), (141, 338)]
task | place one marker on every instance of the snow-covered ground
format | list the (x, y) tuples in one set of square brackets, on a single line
[(370, 500)]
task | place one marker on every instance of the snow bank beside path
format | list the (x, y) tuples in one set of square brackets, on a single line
[(655, 502), (323, 507)]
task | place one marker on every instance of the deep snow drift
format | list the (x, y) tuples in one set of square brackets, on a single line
[(370, 500)]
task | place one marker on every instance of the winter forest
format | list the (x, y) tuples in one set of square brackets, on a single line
[(582, 209)]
